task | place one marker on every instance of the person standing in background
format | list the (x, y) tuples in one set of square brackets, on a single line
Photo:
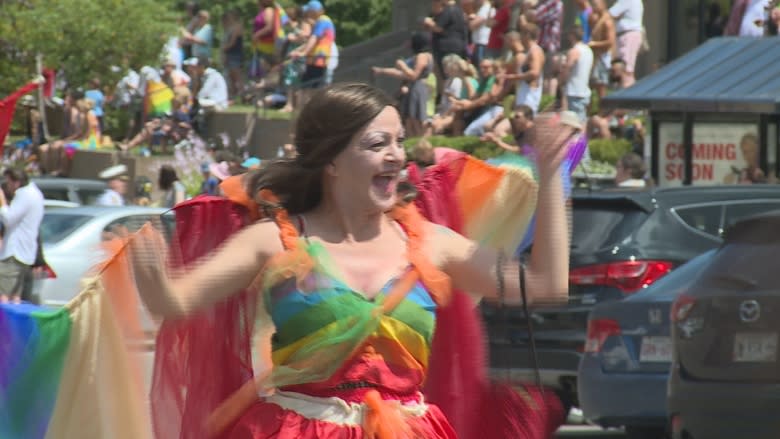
[(232, 51), (191, 18), (174, 191), (449, 36), (21, 219), (116, 178), (202, 37), (602, 43), (499, 25), (98, 99), (317, 49), (584, 11), (575, 75), (480, 31), (628, 16)]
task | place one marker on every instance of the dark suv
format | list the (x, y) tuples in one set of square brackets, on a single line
[(622, 241), (725, 379)]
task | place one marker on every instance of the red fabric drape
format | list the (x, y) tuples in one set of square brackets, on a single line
[(203, 359), (7, 107), (457, 378)]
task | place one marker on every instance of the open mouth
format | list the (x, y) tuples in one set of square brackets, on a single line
[(385, 183)]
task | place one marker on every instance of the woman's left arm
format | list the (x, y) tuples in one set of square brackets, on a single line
[(480, 271)]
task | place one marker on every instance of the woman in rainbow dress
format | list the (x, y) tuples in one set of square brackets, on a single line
[(310, 301)]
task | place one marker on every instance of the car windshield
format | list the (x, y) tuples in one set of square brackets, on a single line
[(57, 226), (597, 227)]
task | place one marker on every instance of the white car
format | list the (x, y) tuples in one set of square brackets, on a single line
[(72, 240)]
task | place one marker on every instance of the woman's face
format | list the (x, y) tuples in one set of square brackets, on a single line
[(451, 70), (368, 170), (750, 152)]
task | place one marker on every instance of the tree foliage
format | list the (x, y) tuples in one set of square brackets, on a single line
[(359, 20), (84, 38), (355, 20)]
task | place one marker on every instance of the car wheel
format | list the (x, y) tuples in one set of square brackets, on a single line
[(647, 433)]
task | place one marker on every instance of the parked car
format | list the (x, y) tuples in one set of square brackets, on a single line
[(622, 241), (628, 351), (74, 190), (57, 204), (725, 376), (71, 244)]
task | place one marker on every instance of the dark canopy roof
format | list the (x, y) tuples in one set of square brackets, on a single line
[(726, 75)]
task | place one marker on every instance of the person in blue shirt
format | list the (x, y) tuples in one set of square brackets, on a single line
[(583, 18), (98, 98), (210, 185)]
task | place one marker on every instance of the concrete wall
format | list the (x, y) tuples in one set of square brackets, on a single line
[(265, 135)]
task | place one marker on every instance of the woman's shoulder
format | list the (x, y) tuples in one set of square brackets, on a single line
[(265, 234)]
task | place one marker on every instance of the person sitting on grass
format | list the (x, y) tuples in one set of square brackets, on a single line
[(519, 123), (173, 128)]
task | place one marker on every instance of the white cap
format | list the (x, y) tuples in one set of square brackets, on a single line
[(117, 171), (190, 61)]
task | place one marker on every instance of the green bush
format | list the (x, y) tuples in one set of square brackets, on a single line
[(608, 150), (471, 145), (601, 150)]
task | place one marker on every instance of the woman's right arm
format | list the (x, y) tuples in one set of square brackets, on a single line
[(226, 271)]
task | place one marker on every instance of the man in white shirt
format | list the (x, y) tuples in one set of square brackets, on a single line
[(754, 18), (22, 221), (213, 92), (630, 172), (575, 74), (116, 178), (628, 25)]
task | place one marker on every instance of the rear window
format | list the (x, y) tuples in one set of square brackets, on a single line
[(57, 226), (748, 258), (597, 227), (742, 266), (89, 197), (60, 194)]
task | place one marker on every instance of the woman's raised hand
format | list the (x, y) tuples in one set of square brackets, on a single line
[(551, 135), (148, 261)]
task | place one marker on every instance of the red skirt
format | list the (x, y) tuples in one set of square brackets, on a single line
[(290, 415)]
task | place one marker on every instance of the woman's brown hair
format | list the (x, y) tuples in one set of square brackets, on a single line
[(325, 126)]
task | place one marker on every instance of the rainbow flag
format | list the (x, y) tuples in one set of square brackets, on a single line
[(66, 373), (280, 21), (159, 99)]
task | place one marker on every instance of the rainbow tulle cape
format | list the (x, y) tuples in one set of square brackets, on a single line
[(66, 372)]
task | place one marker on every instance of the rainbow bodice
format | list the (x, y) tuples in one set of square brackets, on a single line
[(328, 335)]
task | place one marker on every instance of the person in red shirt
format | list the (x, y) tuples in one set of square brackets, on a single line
[(499, 25)]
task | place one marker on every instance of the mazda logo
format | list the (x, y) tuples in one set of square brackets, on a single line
[(749, 311)]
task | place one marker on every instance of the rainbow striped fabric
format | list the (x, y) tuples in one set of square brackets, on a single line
[(325, 32), (271, 43), (346, 320), (159, 99), (575, 153), (66, 373)]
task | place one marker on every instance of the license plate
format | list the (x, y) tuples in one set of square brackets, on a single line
[(755, 347), (656, 350)]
